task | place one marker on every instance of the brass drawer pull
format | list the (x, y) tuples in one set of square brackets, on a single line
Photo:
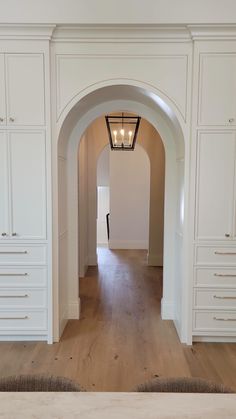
[(14, 296), (225, 253), (226, 275), (25, 274), (14, 253), (224, 320), (14, 318), (224, 298)]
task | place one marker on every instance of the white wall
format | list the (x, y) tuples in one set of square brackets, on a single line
[(129, 199), (63, 237), (110, 12), (83, 206), (103, 167), (103, 195)]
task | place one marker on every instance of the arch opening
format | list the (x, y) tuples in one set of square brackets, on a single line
[(163, 118)]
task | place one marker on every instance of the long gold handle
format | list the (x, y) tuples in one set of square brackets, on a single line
[(14, 296), (224, 298), (225, 253), (226, 275), (14, 318), (24, 274), (224, 320), (14, 253)]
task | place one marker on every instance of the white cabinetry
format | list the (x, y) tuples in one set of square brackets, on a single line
[(3, 110), (217, 99), (214, 293), (24, 258), (22, 89), (23, 185), (215, 201), (214, 287), (4, 201)]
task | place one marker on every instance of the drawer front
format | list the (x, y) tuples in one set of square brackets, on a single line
[(21, 298), (207, 255), (214, 321), (23, 320), (222, 277), (215, 299), (23, 254), (23, 277)]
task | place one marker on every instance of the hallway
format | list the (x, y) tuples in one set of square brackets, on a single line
[(120, 340)]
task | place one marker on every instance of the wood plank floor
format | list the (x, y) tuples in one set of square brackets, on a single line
[(120, 340)]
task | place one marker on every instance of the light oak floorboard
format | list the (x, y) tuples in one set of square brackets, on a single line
[(120, 340)]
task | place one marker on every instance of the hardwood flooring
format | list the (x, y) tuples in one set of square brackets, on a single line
[(120, 340)]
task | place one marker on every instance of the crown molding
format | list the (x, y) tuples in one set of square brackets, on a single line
[(212, 32), (120, 33), (117, 33), (19, 32)]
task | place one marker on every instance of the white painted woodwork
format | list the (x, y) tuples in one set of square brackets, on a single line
[(21, 298), (76, 72), (215, 277), (28, 184), (4, 202), (214, 321), (215, 255), (217, 99), (215, 299), (24, 321), (25, 89), (23, 254), (27, 276), (215, 185), (156, 64), (2, 91)]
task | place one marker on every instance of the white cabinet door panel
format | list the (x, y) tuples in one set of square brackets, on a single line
[(217, 99), (215, 185), (4, 207), (28, 184), (2, 92), (25, 89)]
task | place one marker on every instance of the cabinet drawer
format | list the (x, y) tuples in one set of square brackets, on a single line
[(23, 276), (23, 320), (224, 277), (23, 254), (34, 298), (213, 321), (209, 255), (215, 299)]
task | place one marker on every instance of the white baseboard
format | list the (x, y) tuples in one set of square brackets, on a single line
[(63, 321), (35, 338), (73, 310), (92, 260), (167, 310), (217, 339), (155, 259), (102, 244), (128, 244)]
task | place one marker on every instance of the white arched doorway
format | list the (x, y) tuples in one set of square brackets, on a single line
[(160, 114)]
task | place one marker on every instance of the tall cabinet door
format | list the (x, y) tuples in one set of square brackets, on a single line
[(25, 89), (28, 184), (215, 185), (217, 100), (2, 92), (4, 197)]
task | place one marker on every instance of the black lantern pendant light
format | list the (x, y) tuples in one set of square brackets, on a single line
[(122, 131)]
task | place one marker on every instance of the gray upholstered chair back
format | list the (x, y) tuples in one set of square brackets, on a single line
[(37, 383), (183, 385)]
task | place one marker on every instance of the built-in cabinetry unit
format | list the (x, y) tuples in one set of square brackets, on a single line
[(214, 142), (24, 163)]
